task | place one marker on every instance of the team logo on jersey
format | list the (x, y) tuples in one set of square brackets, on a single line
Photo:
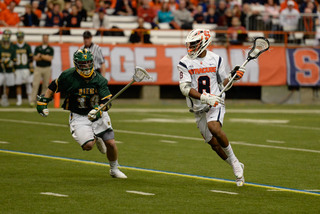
[(85, 56)]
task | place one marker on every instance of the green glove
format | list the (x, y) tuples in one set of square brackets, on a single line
[(42, 105)]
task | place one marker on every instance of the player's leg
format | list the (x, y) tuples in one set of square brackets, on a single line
[(215, 120), (217, 148), (46, 79), (103, 129), (18, 74), (29, 87), (35, 85), (9, 81)]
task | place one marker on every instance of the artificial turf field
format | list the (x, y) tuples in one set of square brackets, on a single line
[(162, 153)]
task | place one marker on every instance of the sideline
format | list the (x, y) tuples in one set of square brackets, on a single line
[(221, 180)]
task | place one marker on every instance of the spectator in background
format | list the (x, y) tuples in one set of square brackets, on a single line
[(237, 34), (9, 17), (36, 10), (42, 4), (66, 10), (124, 8), (29, 18), (90, 7), (43, 56), (164, 14), (7, 2), (3, 7), (140, 34), (289, 17), (199, 16), (272, 11), (49, 8), (54, 18), (307, 23), (73, 20), (183, 17), (226, 18), (212, 17), (221, 9), (81, 10), (60, 2), (284, 5), (147, 12), (100, 21)]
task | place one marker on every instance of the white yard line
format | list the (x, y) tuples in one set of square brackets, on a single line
[(119, 141), (275, 141), (275, 147), (168, 136), (313, 190), (4, 142), (139, 193), (53, 194), (274, 190), (168, 141), (243, 120), (224, 192), (181, 110), (59, 141)]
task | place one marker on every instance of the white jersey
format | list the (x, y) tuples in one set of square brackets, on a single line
[(204, 74)]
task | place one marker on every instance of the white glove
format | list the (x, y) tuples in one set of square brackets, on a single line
[(211, 99)]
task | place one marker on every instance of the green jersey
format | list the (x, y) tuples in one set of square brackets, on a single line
[(24, 55), (81, 94), (8, 58)]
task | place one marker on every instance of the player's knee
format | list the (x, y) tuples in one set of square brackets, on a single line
[(88, 146)]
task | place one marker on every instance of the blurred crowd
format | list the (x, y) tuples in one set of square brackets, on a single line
[(179, 14)]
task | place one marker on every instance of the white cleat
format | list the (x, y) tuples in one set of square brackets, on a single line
[(4, 101), (101, 145), (238, 172), (116, 173), (19, 103)]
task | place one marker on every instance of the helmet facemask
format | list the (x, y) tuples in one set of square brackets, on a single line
[(83, 61)]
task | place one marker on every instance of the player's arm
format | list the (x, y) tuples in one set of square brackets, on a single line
[(47, 57), (43, 100)]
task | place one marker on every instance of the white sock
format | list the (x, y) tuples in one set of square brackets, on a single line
[(229, 152), (19, 97), (113, 164)]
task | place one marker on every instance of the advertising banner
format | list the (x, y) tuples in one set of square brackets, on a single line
[(161, 62)]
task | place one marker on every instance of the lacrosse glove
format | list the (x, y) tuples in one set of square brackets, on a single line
[(211, 99), (42, 105), (239, 71), (94, 114)]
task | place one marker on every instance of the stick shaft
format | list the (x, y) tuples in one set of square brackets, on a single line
[(231, 80), (115, 96)]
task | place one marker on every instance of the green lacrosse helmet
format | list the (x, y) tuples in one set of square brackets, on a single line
[(7, 32), (83, 61), (20, 36), (5, 41)]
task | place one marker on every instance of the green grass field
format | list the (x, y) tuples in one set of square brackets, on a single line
[(162, 153)]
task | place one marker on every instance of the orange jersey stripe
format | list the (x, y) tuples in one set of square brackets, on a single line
[(202, 70)]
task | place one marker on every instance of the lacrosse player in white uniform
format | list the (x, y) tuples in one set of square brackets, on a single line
[(202, 77)]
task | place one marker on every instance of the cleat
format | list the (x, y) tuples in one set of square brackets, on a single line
[(101, 146), (116, 173), (240, 180), (19, 103), (237, 169)]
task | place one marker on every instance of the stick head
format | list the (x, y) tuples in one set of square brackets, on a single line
[(260, 45), (140, 74)]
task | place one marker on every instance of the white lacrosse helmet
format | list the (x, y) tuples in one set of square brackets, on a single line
[(197, 41)]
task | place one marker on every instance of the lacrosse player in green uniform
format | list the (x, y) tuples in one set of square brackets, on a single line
[(7, 59), (23, 66), (85, 90)]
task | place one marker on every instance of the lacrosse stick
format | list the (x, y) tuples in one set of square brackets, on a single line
[(260, 45), (139, 75)]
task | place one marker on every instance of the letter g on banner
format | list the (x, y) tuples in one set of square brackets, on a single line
[(303, 67)]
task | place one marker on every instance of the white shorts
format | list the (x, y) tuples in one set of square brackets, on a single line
[(7, 78), (83, 130), (202, 119), (22, 76)]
